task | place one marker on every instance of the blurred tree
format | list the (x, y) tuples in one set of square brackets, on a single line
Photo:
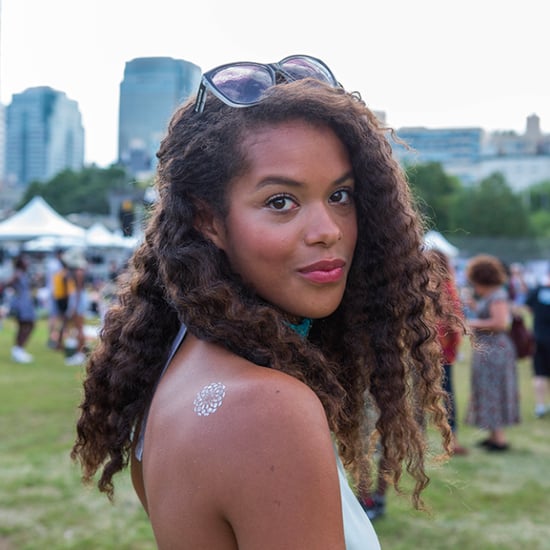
[(540, 222), (491, 209), (434, 191), (537, 199), (85, 191)]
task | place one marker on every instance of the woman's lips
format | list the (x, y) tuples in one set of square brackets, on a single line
[(324, 271)]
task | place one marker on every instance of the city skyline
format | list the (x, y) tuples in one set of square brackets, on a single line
[(424, 63)]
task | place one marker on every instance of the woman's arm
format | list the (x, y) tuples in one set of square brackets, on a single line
[(498, 320), (289, 497)]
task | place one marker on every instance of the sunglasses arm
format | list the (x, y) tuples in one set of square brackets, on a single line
[(201, 98)]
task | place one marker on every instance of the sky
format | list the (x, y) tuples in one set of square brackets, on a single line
[(431, 63)]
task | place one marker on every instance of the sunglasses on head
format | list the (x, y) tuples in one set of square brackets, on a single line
[(243, 83)]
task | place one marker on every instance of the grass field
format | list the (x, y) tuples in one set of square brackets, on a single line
[(481, 501)]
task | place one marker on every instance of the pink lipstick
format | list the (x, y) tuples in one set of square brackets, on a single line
[(325, 271)]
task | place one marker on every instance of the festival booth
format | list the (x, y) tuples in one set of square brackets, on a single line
[(38, 219), (36, 227)]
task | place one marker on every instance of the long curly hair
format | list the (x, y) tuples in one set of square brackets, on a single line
[(378, 347)]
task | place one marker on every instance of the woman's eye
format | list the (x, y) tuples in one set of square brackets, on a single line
[(281, 203), (342, 196)]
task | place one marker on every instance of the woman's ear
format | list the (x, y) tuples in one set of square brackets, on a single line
[(209, 225)]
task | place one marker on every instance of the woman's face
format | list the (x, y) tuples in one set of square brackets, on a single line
[(291, 228)]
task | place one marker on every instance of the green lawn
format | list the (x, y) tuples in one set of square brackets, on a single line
[(481, 501)]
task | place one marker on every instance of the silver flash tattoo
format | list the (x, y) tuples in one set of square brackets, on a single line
[(209, 399)]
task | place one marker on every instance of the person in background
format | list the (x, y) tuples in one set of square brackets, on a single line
[(280, 281), (494, 398), (62, 288), (538, 300), (22, 308), (4, 308), (55, 317), (449, 332), (77, 306), (517, 285)]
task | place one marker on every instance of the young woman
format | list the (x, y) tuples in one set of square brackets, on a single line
[(281, 284)]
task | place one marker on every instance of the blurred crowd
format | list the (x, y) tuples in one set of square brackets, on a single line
[(61, 289), (484, 293)]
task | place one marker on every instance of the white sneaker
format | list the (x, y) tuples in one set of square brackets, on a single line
[(19, 355), (74, 360)]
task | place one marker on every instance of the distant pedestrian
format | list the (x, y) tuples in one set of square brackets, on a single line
[(494, 400), (54, 266), (517, 286), (22, 309), (538, 300), (78, 303), (62, 287)]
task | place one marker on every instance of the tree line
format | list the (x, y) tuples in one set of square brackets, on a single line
[(488, 209)]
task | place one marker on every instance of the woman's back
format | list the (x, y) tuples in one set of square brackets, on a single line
[(255, 459)]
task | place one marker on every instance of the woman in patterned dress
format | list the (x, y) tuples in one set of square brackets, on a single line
[(494, 401)]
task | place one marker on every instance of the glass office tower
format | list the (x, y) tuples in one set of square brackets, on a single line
[(152, 89), (44, 135)]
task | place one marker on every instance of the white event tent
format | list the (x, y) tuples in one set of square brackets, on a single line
[(38, 219), (435, 240), (98, 236)]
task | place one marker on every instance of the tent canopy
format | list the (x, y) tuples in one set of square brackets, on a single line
[(49, 244), (38, 219), (98, 236), (436, 241)]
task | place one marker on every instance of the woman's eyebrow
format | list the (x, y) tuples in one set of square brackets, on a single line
[(281, 180)]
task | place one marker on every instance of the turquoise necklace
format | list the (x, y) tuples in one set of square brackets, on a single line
[(303, 327)]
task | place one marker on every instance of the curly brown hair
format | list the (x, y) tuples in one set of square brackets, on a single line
[(379, 346), (485, 269), (442, 275)]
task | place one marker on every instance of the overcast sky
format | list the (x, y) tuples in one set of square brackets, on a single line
[(432, 63)]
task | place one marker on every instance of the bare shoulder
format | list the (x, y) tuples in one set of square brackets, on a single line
[(232, 443), (210, 387), (275, 400), (276, 460), (259, 408)]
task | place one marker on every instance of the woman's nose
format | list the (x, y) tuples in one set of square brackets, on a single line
[(322, 227)]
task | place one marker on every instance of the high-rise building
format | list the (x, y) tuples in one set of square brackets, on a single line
[(152, 89), (44, 135)]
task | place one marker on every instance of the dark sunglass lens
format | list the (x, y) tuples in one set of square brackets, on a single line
[(304, 67), (243, 84)]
